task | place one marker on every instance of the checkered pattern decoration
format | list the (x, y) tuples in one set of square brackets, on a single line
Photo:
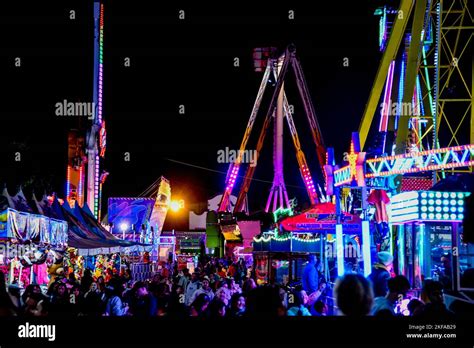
[(416, 183)]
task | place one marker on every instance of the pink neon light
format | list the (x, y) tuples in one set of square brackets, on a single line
[(422, 153), (386, 99)]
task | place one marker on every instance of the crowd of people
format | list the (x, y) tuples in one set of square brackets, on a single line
[(225, 288)]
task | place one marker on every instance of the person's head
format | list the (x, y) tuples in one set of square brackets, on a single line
[(156, 278), (205, 282), (398, 285), (93, 287), (195, 277), (264, 301), (320, 307), (414, 305), (230, 282), (237, 302), (100, 280), (140, 289), (299, 298), (186, 272), (61, 290), (354, 296), (179, 289), (217, 308), (385, 258), (221, 295), (312, 259), (201, 302), (76, 291), (249, 284), (432, 292), (36, 289), (72, 277)]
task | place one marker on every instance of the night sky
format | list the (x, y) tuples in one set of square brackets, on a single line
[(175, 62)]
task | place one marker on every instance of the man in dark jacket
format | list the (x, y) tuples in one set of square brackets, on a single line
[(381, 274), (310, 278)]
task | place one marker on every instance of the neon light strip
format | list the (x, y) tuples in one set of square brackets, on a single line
[(423, 153), (407, 163), (404, 204), (101, 61), (405, 218), (403, 196), (421, 257), (96, 186), (404, 211), (68, 182), (339, 250), (366, 247), (386, 110), (81, 184), (400, 90)]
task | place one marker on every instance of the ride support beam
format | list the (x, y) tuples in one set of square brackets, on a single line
[(389, 54), (413, 63)]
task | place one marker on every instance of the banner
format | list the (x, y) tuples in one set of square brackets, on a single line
[(128, 214)]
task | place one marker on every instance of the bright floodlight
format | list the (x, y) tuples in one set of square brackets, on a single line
[(124, 226), (175, 205)]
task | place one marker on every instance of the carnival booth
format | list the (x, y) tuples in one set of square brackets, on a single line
[(25, 242), (279, 257), (429, 225)]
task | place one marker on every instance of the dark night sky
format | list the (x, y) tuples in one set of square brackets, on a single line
[(175, 62)]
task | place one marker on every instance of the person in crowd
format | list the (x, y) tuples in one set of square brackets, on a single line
[(432, 295), (71, 280), (7, 308), (221, 271), (310, 278), (142, 304), (60, 302), (176, 306), (381, 274), (297, 304), (199, 306), (101, 284), (15, 296), (237, 306), (31, 289), (241, 273), (191, 288), (223, 293), (249, 284), (461, 307), (161, 294), (217, 308), (414, 306), (86, 280), (354, 295), (76, 299), (183, 278), (264, 302), (93, 304), (205, 289), (234, 288), (35, 305), (319, 309), (397, 290), (115, 306)]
